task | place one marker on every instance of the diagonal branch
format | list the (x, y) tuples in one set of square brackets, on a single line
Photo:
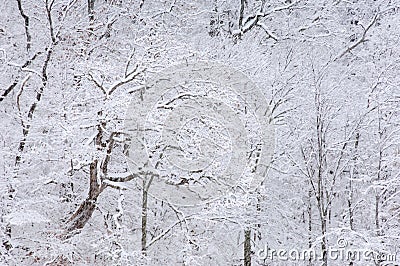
[(97, 83), (128, 78), (270, 34), (26, 21), (131, 76), (49, 7), (241, 12), (360, 40), (12, 86), (8, 90), (253, 20), (25, 130)]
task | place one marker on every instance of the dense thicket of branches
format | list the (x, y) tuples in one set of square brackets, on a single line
[(329, 69)]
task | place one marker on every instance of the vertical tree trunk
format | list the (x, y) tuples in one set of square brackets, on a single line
[(379, 177), (146, 187), (350, 206), (324, 243), (144, 218), (90, 16), (353, 172), (26, 22), (247, 247), (91, 10), (309, 210), (322, 195), (377, 225)]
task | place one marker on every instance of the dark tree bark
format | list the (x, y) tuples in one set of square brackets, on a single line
[(26, 125), (247, 247), (144, 218), (26, 22), (87, 207)]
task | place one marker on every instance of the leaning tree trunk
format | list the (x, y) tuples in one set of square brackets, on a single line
[(87, 207)]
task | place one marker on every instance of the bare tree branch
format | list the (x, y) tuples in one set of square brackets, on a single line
[(253, 20), (49, 7), (26, 21), (360, 40), (97, 83), (25, 130), (8, 90), (131, 76)]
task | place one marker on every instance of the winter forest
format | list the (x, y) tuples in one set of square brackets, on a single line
[(213, 132)]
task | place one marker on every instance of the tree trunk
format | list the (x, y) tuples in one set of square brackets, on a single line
[(324, 243), (309, 223), (82, 215), (91, 10), (144, 218), (247, 247), (377, 225)]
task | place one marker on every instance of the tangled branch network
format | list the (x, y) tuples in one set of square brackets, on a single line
[(198, 131)]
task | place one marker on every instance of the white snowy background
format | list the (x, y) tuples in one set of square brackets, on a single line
[(330, 70)]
